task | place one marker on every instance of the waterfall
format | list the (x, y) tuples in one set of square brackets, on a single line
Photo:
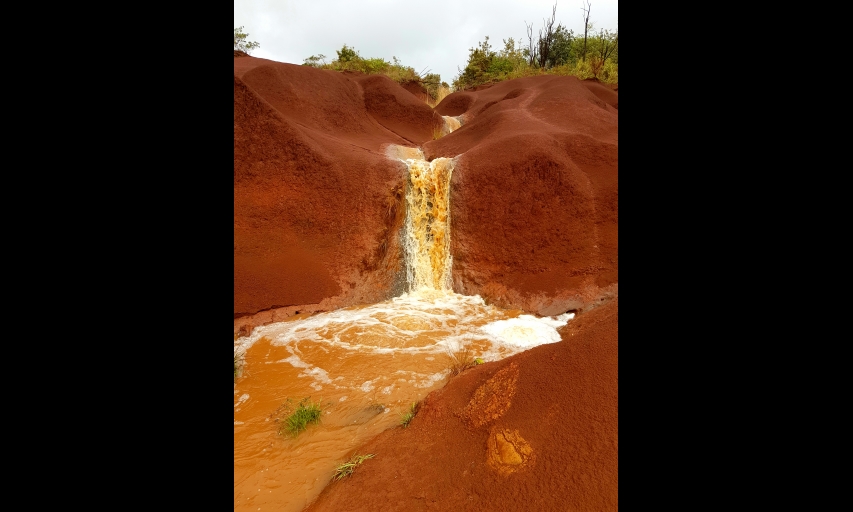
[(427, 236)]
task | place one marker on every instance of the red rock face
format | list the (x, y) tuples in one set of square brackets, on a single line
[(318, 209), (317, 204), (534, 196)]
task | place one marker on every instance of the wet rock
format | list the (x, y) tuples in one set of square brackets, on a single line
[(507, 451), (493, 398)]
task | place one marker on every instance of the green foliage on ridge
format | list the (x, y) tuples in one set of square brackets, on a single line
[(240, 43), (485, 66), (556, 51), (348, 59)]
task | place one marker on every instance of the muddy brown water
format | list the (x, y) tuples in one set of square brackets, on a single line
[(365, 366)]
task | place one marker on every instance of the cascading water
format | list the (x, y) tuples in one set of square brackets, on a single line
[(427, 245), (365, 364)]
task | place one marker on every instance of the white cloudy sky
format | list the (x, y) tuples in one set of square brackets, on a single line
[(433, 35)]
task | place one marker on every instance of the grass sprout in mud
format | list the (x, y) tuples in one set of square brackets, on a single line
[(461, 360), (238, 364), (306, 412), (406, 418), (349, 466)]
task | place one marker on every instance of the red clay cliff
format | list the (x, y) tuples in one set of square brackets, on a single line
[(534, 196), (318, 212), (318, 206)]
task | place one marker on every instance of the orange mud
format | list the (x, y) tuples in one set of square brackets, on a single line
[(365, 365), (537, 431)]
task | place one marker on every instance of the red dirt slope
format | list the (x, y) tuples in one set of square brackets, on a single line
[(534, 195), (536, 431), (317, 204)]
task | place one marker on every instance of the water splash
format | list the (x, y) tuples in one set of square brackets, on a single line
[(427, 244)]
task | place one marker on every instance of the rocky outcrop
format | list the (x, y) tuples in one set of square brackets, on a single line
[(534, 192), (317, 204)]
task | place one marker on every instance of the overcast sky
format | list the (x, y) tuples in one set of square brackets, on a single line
[(426, 35)]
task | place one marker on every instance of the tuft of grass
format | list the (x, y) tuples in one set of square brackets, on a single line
[(349, 466), (461, 360), (238, 364), (306, 412), (406, 417)]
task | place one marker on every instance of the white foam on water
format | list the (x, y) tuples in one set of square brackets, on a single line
[(452, 123), (243, 398), (451, 319), (403, 153), (295, 361), (318, 374), (526, 331), (429, 322), (389, 324), (430, 380), (367, 386)]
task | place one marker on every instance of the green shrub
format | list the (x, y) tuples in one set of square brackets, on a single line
[(347, 54), (315, 61), (486, 66), (238, 364), (306, 412), (240, 43), (406, 417), (350, 60)]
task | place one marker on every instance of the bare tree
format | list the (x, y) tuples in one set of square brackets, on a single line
[(539, 53), (546, 38), (585, 27), (531, 48), (608, 43)]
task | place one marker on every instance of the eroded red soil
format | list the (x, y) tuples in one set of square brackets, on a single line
[(534, 195), (536, 431), (534, 225), (318, 205)]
